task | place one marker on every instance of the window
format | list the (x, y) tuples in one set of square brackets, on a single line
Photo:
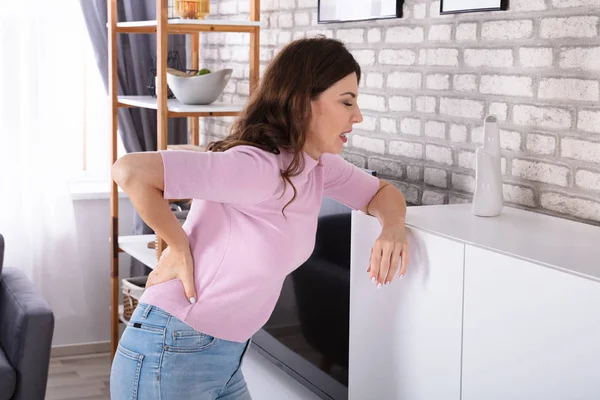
[(93, 144)]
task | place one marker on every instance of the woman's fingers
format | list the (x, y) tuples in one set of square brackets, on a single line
[(188, 284), (385, 261), (404, 260), (394, 265), (175, 265), (158, 275), (374, 264), (384, 266)]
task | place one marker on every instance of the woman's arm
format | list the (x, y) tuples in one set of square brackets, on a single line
[(389, 206), (141, 176)]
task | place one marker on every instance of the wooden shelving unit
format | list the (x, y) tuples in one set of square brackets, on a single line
[(166, 108), (178, 110)]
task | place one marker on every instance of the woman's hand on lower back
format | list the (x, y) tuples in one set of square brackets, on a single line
[(175, 264)]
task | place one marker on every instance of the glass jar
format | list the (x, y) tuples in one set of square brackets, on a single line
[(192, 9)]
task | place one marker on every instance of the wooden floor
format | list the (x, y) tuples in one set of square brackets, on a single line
[(79, 377)]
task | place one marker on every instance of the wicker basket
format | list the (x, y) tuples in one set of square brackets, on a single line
[(132, 289)]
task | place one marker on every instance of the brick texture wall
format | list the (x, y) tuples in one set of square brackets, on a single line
[(430, 79)]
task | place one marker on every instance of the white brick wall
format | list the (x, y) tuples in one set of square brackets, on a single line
[(588, 180), (370, 144), (518, 194), (466, 32), (543, 117), (589, 121), (436, 177), (410, 126), (404, 80), (439, 33), (386, 167), (461, 108), (374, 35), (535, 57), (465, 82), (488, 58), (506, 30), (404, 34), (400, 103), (438, 154), (458, 133), (541, 144), (426, 104), (432, 198), (575, 3), (429, 80), (568, 89), (388, 125), (397, 57), (406, 149), (570, 27), (507, 85), (500, 110), (440, 57), (435, 129), (371, 102), (438, 81), (580, 58), (581, 150), (528, 5), (463, 183), (541, 172)]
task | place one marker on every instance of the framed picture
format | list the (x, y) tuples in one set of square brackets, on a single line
[(463, 6), (357, 10)]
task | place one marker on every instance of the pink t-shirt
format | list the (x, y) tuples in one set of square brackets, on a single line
[(243, 247)]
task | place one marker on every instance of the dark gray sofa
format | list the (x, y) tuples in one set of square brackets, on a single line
[(26, 329)]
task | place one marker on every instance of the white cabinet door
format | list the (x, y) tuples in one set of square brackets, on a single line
[(405, 339), (530, 332)]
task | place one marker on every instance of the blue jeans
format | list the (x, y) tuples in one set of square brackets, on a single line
[(161, 358)]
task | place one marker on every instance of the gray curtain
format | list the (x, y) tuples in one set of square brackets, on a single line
[(137, 127)]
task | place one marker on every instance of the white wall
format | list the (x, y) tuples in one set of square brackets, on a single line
[(428, 81), (93, 225)]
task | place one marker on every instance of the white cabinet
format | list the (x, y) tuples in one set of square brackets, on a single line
[(405, 339), (523, 325), (530, 332)]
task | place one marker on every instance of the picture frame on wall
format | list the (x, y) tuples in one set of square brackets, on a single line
[(465, 6), (332, 11)]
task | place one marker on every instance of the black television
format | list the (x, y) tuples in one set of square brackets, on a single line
[(283, 339)]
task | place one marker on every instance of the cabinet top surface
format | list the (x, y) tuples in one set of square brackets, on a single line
[(556, 242)]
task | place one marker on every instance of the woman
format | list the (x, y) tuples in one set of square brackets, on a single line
[(257, 195)]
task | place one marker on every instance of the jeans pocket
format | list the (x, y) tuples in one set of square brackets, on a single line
[(125, 374), (189, 341)]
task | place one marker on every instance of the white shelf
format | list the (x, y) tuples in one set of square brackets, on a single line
[(198, 22), (137, 247), (175, 106)]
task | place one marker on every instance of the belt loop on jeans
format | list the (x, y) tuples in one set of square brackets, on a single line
[(146, 311)]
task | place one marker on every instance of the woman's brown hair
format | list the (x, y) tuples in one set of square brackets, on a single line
[(278, 112)]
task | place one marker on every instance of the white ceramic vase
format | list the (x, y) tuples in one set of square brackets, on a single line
[(488, 199)]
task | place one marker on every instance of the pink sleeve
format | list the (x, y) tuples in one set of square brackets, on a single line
[(347, 183), (240, 175)]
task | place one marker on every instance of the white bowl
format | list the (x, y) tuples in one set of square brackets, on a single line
[(199, 89)]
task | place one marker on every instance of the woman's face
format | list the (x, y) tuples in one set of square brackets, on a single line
[(333, 114)]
